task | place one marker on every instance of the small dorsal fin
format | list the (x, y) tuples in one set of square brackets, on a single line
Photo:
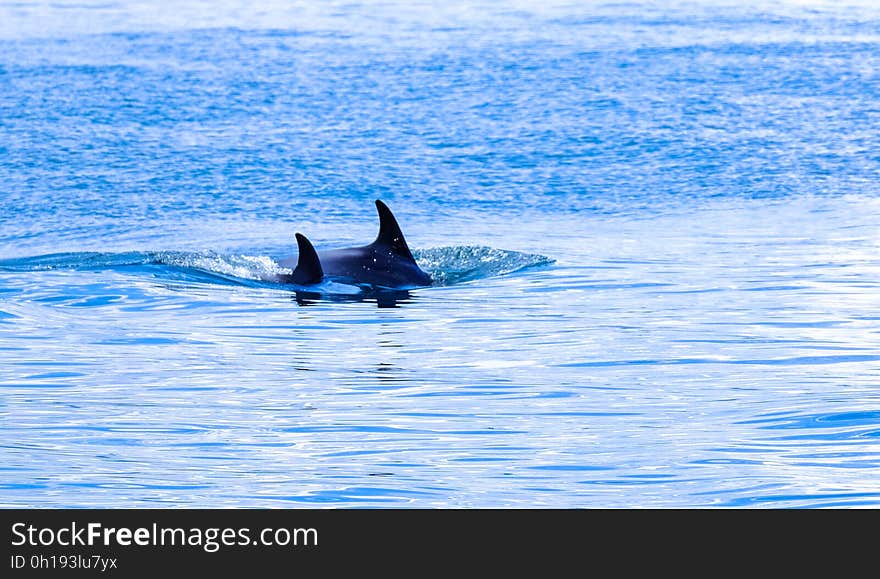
[(308, 266), (390, 233)]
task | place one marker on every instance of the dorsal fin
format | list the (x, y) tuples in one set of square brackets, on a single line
[(390, 233), (308, 266)]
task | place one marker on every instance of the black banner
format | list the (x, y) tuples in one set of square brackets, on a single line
[(123, 542)]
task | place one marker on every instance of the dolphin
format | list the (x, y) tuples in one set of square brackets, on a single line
[(386, 263)]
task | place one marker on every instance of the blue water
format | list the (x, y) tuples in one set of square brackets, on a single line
[(654, 226)]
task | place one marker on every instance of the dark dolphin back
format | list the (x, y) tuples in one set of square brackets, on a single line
[(387, 262)]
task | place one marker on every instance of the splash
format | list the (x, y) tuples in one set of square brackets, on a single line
[(446, 265), (452, 265)]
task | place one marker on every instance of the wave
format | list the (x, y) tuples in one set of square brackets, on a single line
[(446, 265), (463, 263)]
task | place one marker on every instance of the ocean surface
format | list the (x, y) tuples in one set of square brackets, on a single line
[(654, 229)]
